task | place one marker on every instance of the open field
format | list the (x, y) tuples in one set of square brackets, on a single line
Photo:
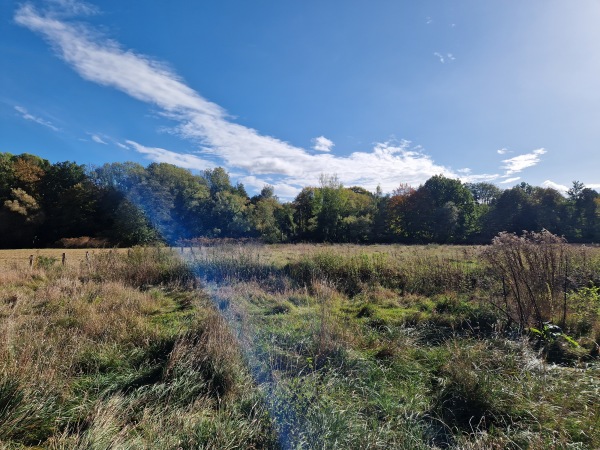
[(20, 258), (293, 346)]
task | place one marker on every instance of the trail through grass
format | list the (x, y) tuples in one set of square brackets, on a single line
[(288, 347)]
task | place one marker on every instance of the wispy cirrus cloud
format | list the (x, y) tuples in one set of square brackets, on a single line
[(519, 163), (322, 144), (510, 180), (563, 189), (105, 62), (67, 8), (219, 140), (97, 139), (559, 187), (27, 116), (186, 161)]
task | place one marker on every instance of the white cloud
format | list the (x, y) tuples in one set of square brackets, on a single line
[(428, 20), (178, 159), (510, 180), (283, 190), (518, 163), (443, 58), (563, 189), (25, 115), (322, 144), (206, 124), (502, 151), (559, 187), (98, 139), (106, 63), (489, 177)]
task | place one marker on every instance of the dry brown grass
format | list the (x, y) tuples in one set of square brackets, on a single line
[(280, 254), (19, 258), (45, 324), (116, 354)]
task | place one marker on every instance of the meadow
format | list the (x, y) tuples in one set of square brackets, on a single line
[(19, 258), (300, 346)]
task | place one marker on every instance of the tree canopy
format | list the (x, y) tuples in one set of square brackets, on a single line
[(127, 204)]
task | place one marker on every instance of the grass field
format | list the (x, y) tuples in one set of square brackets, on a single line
[(19, 258), (290, 346)]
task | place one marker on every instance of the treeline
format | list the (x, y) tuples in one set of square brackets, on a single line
[(127, 204)]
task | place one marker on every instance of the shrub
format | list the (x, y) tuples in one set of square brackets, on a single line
[(533, 269), (45, 262), (82, 242)]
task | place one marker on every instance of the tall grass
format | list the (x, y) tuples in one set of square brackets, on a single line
[(350, 273), (364, 350), (114, 353), (336, 347)]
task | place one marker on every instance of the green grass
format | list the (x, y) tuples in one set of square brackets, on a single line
[(288, 346), (366, 350)]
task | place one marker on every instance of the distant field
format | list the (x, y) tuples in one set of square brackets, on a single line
[(20, 257), (280, 254)]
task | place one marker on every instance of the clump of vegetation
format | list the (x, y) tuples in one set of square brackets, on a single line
[(534, 269), (141, 267)]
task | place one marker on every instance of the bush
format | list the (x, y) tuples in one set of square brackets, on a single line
[(533, 270), (82, 242)]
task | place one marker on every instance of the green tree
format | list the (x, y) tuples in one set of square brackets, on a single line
[(513, 212), (484, 193), (69, 202), (306, 208), (550, 209), (217, 180), (583, 218), (398, 213), (442, 210), (7, 176), (132, 227), (332, 199), (231, 213), (265, 219)]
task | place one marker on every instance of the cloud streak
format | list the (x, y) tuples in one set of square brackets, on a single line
[(559, 187), (27, 116), (166, 156), (519, 163), (66, 8), (563, 189), (260, 159), (98, 139)]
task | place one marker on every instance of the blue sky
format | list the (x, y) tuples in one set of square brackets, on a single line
[(279, 92)]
